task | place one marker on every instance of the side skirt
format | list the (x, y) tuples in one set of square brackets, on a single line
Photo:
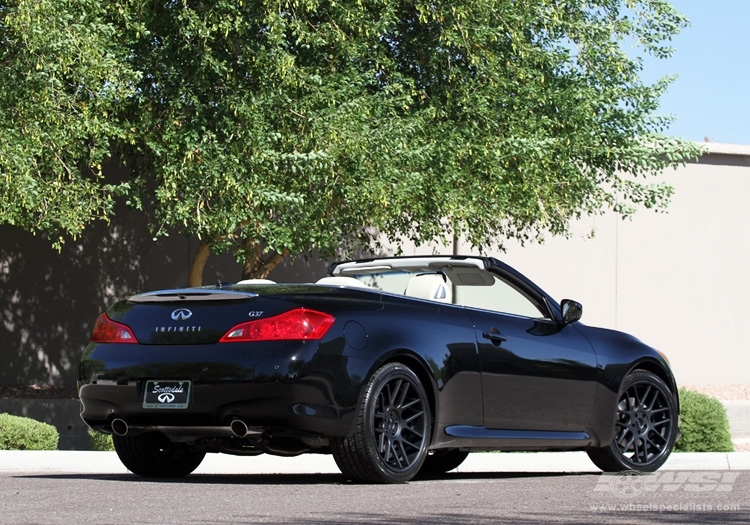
[(475, 437)]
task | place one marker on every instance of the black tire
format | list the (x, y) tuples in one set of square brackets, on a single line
[(153, 455), (646, 427), (443, 460), (393, 428)]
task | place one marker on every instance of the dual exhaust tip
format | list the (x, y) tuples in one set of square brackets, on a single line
[(120, 427), (237, 428)]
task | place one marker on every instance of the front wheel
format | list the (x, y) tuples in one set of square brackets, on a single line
[(392, 434), (153, 455), (646, 426)]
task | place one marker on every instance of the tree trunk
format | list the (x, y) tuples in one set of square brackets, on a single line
[(195, 277), (255, 266)]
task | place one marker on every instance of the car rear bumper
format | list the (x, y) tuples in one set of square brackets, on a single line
[(300, 406), (299, 388)]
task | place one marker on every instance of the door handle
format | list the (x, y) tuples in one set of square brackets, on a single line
[(494, 335)]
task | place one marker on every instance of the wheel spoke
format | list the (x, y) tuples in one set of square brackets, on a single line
[(630, 442), (410, 404), (636, 399), (390, 452), (650, 406), (405, 443), (416, 415), (661, 438), (403, 457), (639, 454), (393, 393), (380, 404), (644, 398), (416, 437), (382, 443), (404, 391)]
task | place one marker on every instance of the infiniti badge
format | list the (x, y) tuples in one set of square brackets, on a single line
[(182, 314), (166, 397)]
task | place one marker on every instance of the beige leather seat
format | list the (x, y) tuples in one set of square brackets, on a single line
[(431, 286), (340, 280)]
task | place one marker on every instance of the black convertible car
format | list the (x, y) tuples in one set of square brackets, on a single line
[(396, 366)]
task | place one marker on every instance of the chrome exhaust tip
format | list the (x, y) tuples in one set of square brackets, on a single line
[(239, 428), (120, 427)]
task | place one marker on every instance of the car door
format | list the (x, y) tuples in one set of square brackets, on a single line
[(537, 375)]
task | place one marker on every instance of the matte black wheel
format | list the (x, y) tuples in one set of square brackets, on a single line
[(442, 461), (153, 455), (645, 429), (392, 434)]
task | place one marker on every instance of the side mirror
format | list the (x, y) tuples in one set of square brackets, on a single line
[(571, 311)]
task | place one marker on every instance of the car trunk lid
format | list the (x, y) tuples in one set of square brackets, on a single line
[(191, 316)]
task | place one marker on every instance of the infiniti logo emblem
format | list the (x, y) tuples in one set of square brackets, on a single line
[(165, 397), (181, 314)]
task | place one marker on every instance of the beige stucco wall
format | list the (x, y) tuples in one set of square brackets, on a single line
[(678, 280)]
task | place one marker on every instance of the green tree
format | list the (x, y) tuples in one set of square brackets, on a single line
[(273, 127), (62, 77)]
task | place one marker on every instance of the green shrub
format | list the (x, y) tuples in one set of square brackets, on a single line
[(704, 424), (22, 433), (100, 441)]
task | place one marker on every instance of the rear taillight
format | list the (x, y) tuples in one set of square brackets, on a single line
[(108, 331), (299, 324)]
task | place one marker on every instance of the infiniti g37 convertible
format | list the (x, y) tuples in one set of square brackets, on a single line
[(396, 366)]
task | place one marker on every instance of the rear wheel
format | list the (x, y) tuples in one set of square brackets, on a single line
[(442, 461), (645, 429), (153, 455), (393, 428)]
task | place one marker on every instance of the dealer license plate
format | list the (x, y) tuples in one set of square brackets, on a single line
[(167, 394)]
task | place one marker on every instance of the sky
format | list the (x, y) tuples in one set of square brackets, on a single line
[(711, 96)]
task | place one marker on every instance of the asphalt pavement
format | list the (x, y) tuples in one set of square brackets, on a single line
[(70, 461)]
